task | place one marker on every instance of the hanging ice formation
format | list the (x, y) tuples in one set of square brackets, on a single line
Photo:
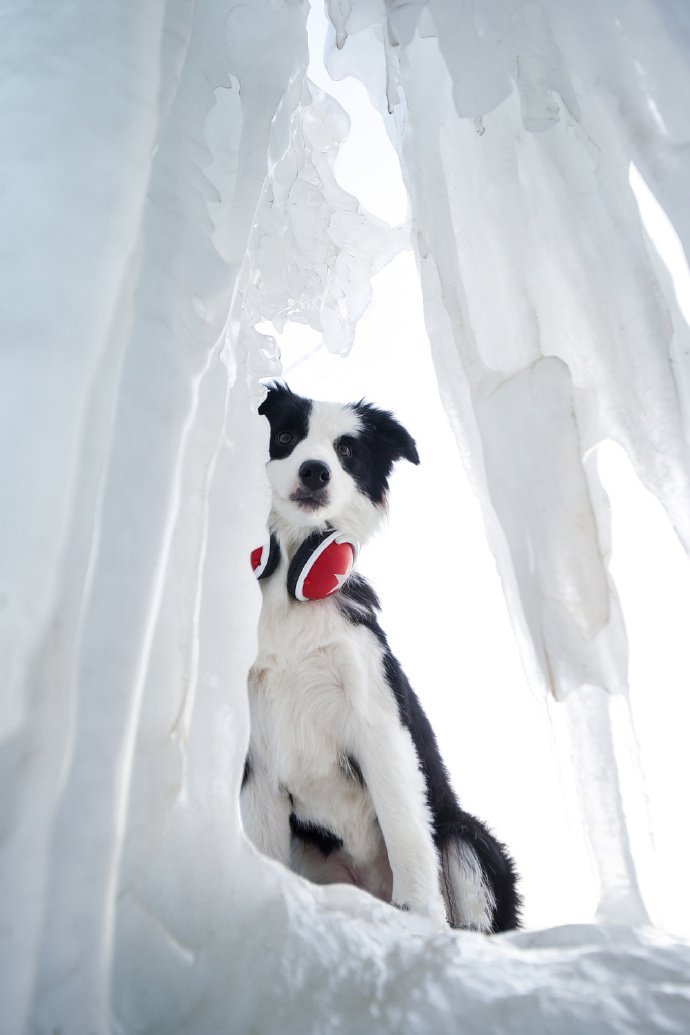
[(166, 182)]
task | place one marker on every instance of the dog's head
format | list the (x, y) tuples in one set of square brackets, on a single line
[(330, 464)]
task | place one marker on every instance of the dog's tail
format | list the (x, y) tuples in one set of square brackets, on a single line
[(478, 879)]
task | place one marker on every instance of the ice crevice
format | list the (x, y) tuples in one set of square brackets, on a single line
[(169, 191)]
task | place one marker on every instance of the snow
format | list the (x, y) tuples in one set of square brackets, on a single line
[(169, 183)]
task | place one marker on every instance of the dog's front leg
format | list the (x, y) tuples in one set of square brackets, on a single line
[(265, 813), (390, 768), (387, 757)]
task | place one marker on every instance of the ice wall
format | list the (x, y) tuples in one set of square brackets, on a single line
[(146, 150), (121, 411), (554, 326)]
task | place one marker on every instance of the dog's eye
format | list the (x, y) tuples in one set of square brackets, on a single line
[(284, 438), (344, 449)]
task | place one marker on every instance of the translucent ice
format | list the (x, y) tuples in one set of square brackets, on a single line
[(553, 323)]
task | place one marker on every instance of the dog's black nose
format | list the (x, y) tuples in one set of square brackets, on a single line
[(314, 474)]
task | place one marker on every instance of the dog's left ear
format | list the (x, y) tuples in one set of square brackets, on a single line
[(389, 433)]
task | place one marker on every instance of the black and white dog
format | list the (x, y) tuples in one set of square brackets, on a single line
[(343, 780)]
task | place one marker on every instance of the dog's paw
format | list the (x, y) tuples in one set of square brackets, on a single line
[(433, 910), (437, 916)]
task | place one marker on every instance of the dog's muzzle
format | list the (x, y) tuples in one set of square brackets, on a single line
[(312, 493), (314, 475)]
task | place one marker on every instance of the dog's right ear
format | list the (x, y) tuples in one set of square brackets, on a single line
[(285, 411), (278, 392), (392, 439)]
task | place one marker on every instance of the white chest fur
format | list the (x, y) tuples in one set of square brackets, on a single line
[(314, 675)]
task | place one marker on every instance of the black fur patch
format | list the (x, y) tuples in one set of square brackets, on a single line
[(375, 449), (360, 605), (358, 601), (287, 413), (351, 771), (314, 834)]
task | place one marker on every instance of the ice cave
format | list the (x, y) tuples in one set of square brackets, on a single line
[(480, 204)]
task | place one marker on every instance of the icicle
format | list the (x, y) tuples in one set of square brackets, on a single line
[(549, 327)]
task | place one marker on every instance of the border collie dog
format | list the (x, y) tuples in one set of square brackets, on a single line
[(343, 780)]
